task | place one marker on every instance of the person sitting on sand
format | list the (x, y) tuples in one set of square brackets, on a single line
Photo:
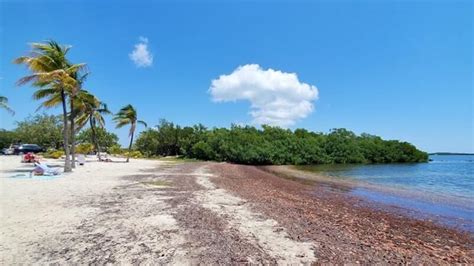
[(106, 159)]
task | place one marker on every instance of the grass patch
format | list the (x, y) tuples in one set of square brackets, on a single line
[(178, 159), (157, 183)]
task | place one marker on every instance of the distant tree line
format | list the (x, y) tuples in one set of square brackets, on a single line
[(42, 129), (46, 131), (273, 145), (238, 144)]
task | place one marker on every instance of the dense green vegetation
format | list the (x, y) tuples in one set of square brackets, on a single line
[(7, 137), (103, 138), (46, 131), (42, 129), (239, 144), (273, 145)]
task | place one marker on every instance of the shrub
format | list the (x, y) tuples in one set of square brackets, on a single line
[(202, 150), (104, 138), (133, 154), (116, 149), (85, 148), (53, 154)]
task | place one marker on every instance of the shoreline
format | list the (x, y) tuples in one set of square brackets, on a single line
[(159, 212), (447, 211), (346, 228)]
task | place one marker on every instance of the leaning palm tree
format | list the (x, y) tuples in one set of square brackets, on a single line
[(128, 115), (92, 111), (4, 105), (52, 73)]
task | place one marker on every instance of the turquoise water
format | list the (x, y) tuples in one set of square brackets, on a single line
[(443, 187)]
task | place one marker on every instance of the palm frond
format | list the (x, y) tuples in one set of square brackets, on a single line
[(27, 79), (82, 119), (4, 105), (21, 60), (51, 102), (76, 68), (142, 122), (122, 122), (42, 93), (100, 120)]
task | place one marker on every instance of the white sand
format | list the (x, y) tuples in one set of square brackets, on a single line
[(107, 213), (258, 230), (31, 210)]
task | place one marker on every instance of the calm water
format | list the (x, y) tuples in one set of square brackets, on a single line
[(443, 187)]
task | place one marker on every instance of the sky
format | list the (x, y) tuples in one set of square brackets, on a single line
[(398, 69)]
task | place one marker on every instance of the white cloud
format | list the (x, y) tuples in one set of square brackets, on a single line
[(141, 56), (277, 98)]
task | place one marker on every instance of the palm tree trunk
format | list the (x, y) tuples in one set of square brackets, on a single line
[(130, 147), (67, 162), (94, 139), (73, 136)]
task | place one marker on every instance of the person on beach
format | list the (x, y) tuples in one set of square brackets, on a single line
[(43, 169)]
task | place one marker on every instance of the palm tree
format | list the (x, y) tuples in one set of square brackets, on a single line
[(4, 105), (73, 95), (128, 115), (52, 74), (92, 111)]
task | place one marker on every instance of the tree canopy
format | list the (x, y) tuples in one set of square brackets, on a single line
[(273, 145), (105, 139), (128, 116), (42, 129), (46, 131)]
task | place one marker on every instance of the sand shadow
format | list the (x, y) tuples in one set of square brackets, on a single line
[(18, 171), (55, 165)]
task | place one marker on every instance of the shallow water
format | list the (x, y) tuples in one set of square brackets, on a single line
[(443, 187)]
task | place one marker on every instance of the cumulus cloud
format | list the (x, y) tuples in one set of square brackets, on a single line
[(277, 98), (141, 55)]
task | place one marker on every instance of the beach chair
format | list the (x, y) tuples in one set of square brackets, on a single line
[(81, 159)]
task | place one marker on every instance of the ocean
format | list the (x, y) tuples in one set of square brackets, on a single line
[(442, 189)]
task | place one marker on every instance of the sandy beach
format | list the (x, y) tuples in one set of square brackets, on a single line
[(166, 211), (236, 133), (35, 212)]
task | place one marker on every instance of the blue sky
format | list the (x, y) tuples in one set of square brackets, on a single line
[(399, 69)]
